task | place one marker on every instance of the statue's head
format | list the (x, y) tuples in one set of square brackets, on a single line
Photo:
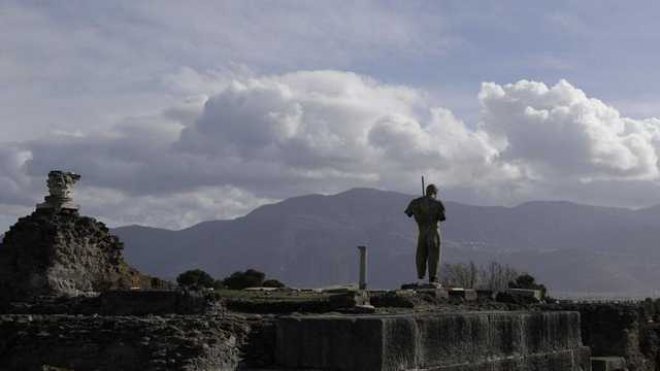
[(431, 190)]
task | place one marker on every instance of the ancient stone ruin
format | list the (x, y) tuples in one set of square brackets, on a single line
[(68, 301), (56, 252), (60, 188)]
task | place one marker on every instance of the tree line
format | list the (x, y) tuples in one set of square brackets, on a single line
[(199, 279), (492, 276)]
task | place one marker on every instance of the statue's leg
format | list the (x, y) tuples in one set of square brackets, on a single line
[(434, 256), (422, 255)]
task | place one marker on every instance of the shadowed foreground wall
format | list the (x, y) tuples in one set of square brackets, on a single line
[(544, 341), (28, 342), (218, 340)]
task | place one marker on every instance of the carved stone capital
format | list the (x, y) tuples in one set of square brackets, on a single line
[(60, 189)]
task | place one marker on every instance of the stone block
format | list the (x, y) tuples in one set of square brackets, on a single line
[(485, 294), (349, 299), (358, 309), (462, 341), (139, 303), (328, 342), (420, 286), (394, 299), (433, 289), (436, 293), (120, 343), (608, 364), (465, 294)]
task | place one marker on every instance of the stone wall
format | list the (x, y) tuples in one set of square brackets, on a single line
[(140, 303), (221, 340), (30, 342), (617, 329), (178, 330), (120, 303), (548, 341)]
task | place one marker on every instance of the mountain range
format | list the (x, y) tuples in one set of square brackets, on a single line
[(311, 241)]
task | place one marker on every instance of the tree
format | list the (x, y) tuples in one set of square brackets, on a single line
[(273, 283), (496, 276), (241, 280), (526, 281), (195, 279), (460, 275)]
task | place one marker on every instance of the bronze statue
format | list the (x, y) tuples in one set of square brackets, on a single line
[(428, 212)]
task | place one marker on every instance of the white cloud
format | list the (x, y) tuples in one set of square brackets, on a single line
[(89, 64), (173, 210), (248, 139), (162, 102), (558, 132), (339, 129), (268, 137), (14, 182)]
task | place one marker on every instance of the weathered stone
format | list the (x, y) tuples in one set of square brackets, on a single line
[(615, 329), (464, 294), (420, 286), (395, 299), (358, 309), (485, 294), (363, 268), (349, 299), (608, 364), (60, 188), (57, 252), (121, 343), (456, 341), (437, 293), (140, 303)]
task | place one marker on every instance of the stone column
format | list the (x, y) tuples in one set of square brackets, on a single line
[(363, 267)]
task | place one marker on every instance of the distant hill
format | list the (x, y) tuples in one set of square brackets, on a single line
[(311, 241)]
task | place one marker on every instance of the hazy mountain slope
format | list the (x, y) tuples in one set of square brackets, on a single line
[(311, 240)]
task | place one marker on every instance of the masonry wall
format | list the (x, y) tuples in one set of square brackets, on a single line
[(30, 342), (465, 341), (618, 329)]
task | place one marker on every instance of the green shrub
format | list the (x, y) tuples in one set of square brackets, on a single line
[(195, 279), (241, 280), (526, 281), (273, 283)]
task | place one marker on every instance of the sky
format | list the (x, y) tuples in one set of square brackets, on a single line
[(179, 112)]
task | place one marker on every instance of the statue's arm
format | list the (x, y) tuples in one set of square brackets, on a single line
[(409, 210)]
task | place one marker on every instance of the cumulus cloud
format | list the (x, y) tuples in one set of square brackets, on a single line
[(13, 178), (269, 137), (337, 128), (177, 210), (560, 132), (249, 139)]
